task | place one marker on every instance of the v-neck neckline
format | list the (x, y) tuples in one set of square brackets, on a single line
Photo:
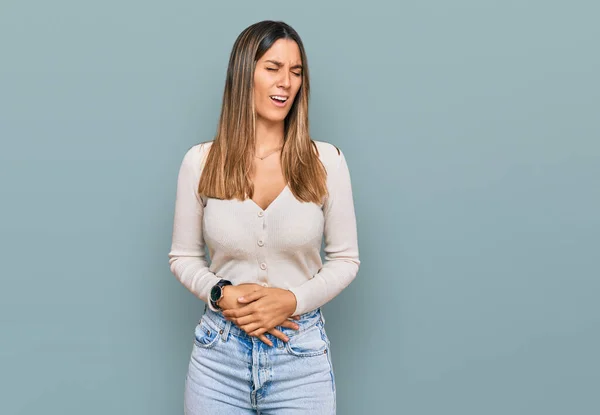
[(272, 202)]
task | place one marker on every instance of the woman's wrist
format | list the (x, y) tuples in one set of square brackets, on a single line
[(224, 293)]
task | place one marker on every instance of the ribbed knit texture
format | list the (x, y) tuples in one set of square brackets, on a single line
[(276, 247)]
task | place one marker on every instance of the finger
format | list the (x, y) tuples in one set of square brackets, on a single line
[(251, 328), (265, 340), (238, 312), (257, 332), (295, 317), (253, 296), (231, 314), (279, 335), (243, 321), (290, 325)]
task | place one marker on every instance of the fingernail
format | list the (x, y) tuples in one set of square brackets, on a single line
[(241, 299)]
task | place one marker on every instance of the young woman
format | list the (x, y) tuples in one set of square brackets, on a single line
[(262, 196)]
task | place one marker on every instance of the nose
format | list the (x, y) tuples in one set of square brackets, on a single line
[(284, 79)]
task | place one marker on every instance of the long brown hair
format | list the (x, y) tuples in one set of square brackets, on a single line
[(227, 171)]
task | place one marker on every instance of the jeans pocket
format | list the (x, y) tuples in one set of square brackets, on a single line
[(205, 336), (311, 342)]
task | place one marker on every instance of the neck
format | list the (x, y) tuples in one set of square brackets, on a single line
[(268, 135)]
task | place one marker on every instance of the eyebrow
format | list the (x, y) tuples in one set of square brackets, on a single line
[(281, 64)]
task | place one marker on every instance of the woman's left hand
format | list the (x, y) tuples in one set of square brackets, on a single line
[(265, 308)]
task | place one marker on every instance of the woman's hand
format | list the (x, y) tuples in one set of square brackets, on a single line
[(262, 309), (229, 302), (231, 293)]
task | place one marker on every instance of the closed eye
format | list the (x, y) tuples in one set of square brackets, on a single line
[(275, 69)]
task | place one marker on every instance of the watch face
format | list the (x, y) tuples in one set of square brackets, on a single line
[(215, 293)]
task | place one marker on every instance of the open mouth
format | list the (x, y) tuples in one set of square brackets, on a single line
[(279, 99)]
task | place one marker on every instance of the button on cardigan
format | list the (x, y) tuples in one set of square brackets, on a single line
[(275, 247)]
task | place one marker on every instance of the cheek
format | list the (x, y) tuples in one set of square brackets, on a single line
[(261, 86), (297, 89)]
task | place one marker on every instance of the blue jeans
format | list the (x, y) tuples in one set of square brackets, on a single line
[(233, 373)]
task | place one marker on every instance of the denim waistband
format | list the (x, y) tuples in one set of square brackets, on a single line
[(306, 321)]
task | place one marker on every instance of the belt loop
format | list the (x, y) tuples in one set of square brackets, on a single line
[(322, 316), (225, 331)]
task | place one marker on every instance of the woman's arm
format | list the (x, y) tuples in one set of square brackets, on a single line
[(187, 258), (341, 245)]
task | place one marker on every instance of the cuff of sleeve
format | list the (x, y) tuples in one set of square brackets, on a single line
[(303, 294), (299, 302), (213, 281)]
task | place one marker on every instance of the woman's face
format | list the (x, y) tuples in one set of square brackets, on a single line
[(277, 79)]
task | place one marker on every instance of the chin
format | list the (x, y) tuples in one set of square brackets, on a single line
[(273, 118)]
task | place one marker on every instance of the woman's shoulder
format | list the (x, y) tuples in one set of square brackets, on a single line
[(196, 154), (330, 154)]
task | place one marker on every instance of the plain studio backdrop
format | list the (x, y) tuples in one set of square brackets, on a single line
[(471, 129)]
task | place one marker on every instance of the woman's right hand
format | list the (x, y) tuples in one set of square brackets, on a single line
[(229, 302)]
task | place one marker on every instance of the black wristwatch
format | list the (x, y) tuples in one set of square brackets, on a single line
[(216, 292)]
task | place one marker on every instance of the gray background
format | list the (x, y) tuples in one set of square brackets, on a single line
[(471, 130)]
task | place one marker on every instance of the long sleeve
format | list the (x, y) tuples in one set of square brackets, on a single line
[(341, 245), (187, 258)]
